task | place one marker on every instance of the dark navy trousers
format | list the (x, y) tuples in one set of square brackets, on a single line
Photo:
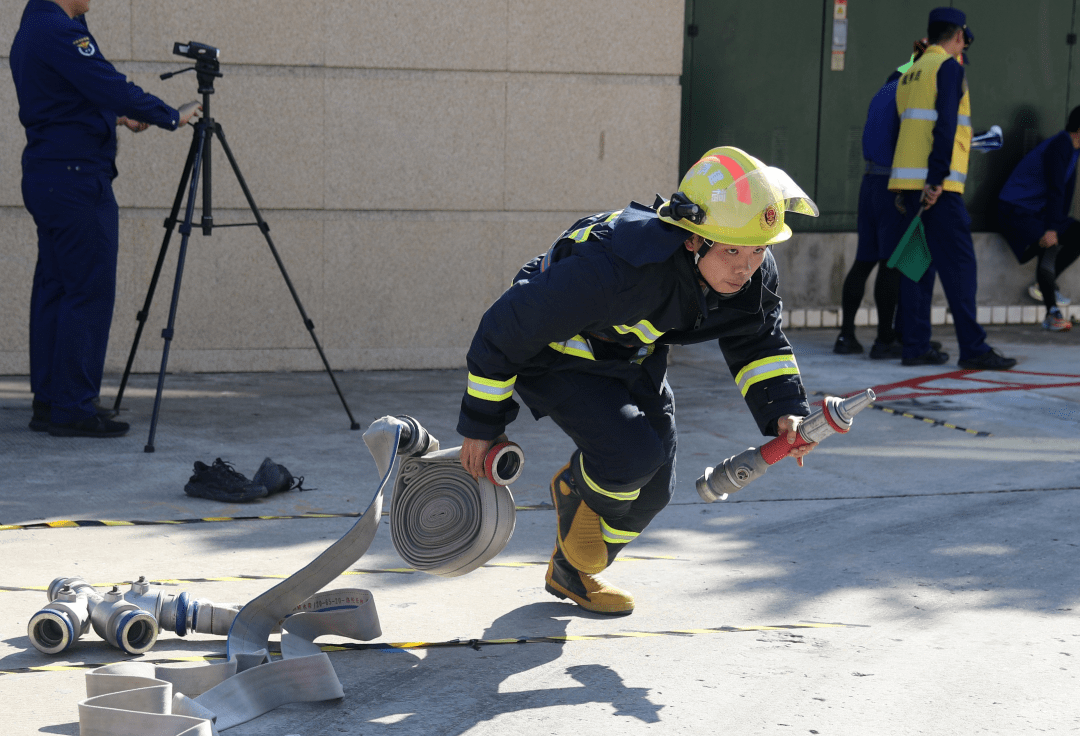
[(948, 235), (625, 432), (71, 304)]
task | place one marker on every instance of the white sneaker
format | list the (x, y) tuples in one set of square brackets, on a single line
[(1036, 293)]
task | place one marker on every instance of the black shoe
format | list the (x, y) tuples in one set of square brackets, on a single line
[(886, 351), (933, 356), (991, 360), (93, 426), (43, 414), (219, 482), (847, 345), (276, 478)]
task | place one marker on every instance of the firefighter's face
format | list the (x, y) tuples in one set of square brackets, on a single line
[(727, 268)]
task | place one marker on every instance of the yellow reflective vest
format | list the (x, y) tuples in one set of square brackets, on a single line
[(916, 95)]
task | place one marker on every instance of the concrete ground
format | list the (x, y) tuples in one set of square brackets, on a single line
[(945, 561)]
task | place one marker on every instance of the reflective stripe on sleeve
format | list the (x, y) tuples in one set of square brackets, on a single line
[(618, 496), (616, 536), (643, 329), (760, 370), (576, 345), (489, 389), (919, 113)]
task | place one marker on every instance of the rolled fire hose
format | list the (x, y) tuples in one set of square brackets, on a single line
[(141, 698), (443, 521)]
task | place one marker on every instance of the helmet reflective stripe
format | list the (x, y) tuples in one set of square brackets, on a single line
[(576, 345), (643, 330), (617, 495), (489, 389), (616, 536), (760, 370)]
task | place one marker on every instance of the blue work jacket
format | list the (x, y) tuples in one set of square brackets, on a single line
[(70, 96), (608, 297)]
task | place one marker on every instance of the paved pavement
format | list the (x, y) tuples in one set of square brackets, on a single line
[(941, 548)]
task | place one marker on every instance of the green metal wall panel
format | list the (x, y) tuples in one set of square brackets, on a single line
[(759, 77)]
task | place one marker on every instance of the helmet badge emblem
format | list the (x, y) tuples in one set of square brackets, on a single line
[(769, 217)]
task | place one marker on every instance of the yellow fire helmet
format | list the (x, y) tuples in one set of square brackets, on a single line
[(733, 198)]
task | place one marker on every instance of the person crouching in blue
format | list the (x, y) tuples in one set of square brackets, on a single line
[(1033, 212), (582, 336)]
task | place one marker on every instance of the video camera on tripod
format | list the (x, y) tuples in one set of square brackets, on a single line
[(207, 68)]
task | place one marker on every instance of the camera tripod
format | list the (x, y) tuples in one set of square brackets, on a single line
[(198, 161)]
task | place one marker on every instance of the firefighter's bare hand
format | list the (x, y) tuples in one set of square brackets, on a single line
[(789, 430), (473, 453), (930, 195), (1049, 239)]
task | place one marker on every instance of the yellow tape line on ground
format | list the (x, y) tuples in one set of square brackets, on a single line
[(471, 643), (357, 571)]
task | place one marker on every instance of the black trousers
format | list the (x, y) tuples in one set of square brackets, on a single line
[(625, 434)]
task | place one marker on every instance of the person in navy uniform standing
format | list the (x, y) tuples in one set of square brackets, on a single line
[(71, 100)]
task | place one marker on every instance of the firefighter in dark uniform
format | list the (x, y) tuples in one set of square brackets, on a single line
[(71, 101), (930, 167), (582, 335)]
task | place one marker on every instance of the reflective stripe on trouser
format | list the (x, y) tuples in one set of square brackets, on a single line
[(948, 235), (626, 437)]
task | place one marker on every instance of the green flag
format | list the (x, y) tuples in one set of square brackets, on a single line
[(912, 256)]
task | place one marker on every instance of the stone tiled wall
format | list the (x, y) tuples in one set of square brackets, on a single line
[(408, 155)]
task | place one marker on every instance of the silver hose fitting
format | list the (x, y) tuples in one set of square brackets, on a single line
[(129, 621), (834, 416)]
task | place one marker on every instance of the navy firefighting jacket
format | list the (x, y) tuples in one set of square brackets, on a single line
[(608, 297), (70, 96)]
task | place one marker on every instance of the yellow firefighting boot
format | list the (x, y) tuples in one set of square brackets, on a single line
[(580, 537), (591, 592)]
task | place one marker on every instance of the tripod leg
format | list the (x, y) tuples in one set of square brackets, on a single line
[(142, 315), (265, 229), (185, 235)]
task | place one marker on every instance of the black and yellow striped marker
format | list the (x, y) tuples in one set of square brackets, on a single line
[(471, 643), (356, 571), (909, 415), (79, 523)]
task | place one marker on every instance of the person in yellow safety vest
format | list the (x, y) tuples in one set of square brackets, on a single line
[(929, 168)]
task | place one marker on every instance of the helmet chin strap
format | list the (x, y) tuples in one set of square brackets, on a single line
[(702, 251)]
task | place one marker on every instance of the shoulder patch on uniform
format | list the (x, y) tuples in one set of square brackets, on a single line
[(85, 46)]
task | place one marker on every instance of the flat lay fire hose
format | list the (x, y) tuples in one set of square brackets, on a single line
[(835, 416), (448, 522)]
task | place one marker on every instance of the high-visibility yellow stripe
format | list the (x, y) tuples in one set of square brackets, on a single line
[(616, 536), (643, 329), (623, 496), (490, 389), (760, 370), (576, 346)]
